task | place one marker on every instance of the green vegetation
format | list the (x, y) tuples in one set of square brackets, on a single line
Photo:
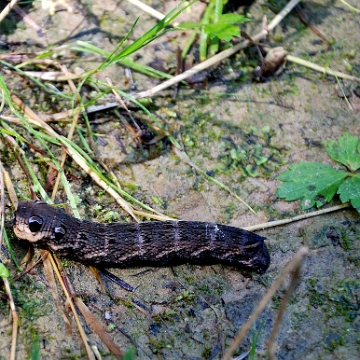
[(316, 183), (347, 299), (241, 152), (214, 26), (342, 300), (254, 155), (4, 272), (156, 345), (255, 334), (222, 142), (130, 353)]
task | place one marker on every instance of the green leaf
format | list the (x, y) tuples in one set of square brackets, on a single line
[(225, 19), (315, 183), (189, 25), (222, 30), (349, 190), (261, 160), (4, 272), (346, 151), (252, 171), (233, 19)]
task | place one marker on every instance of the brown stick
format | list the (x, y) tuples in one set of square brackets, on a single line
[(15, 320), (70, 302), (219, 57), (290, 267), (296, 218), (7, 9), (271, 342)]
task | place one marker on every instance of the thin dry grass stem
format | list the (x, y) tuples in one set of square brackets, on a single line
[(98, 328), (282, 14), (36, 61), (149, 10), (2, 103), (13, 143), (49, 274), (37, 121), (341, 88), (321, 69), (61, 118), (231, 51), (10, 189), (97, 275), (102, 184), (86, 313), (219, 57), (14, 314), (125, 122), (296, 218), (96, 352), (66, 116), (52, 75), (84, 338), (29, 21), (121, 101), (15, 320), (2, 204), (272, 339), (70, 135), (157, 216), (139, 308), (290, 267), (350, 7), (33, 118), (17, 151), (89, 317), (7, 9), (28, 268)]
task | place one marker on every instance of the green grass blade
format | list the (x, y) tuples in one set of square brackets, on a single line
[(203, 42), (156, 31), (36, 81), (214, 42), (10, 250)]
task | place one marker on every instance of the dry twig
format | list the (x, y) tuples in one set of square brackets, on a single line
[(219, 57), (290, 267), (70, 302), (15, 317), (7, 9), (296, 218), (271, 342)]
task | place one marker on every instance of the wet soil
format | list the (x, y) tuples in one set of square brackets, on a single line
[(194, 312)]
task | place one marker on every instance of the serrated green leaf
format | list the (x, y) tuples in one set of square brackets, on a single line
[(223, 31), (349, 190), (346, 151), (4, 272), (315, 183)]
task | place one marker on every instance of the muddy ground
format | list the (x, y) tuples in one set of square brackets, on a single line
[(195, 311)]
